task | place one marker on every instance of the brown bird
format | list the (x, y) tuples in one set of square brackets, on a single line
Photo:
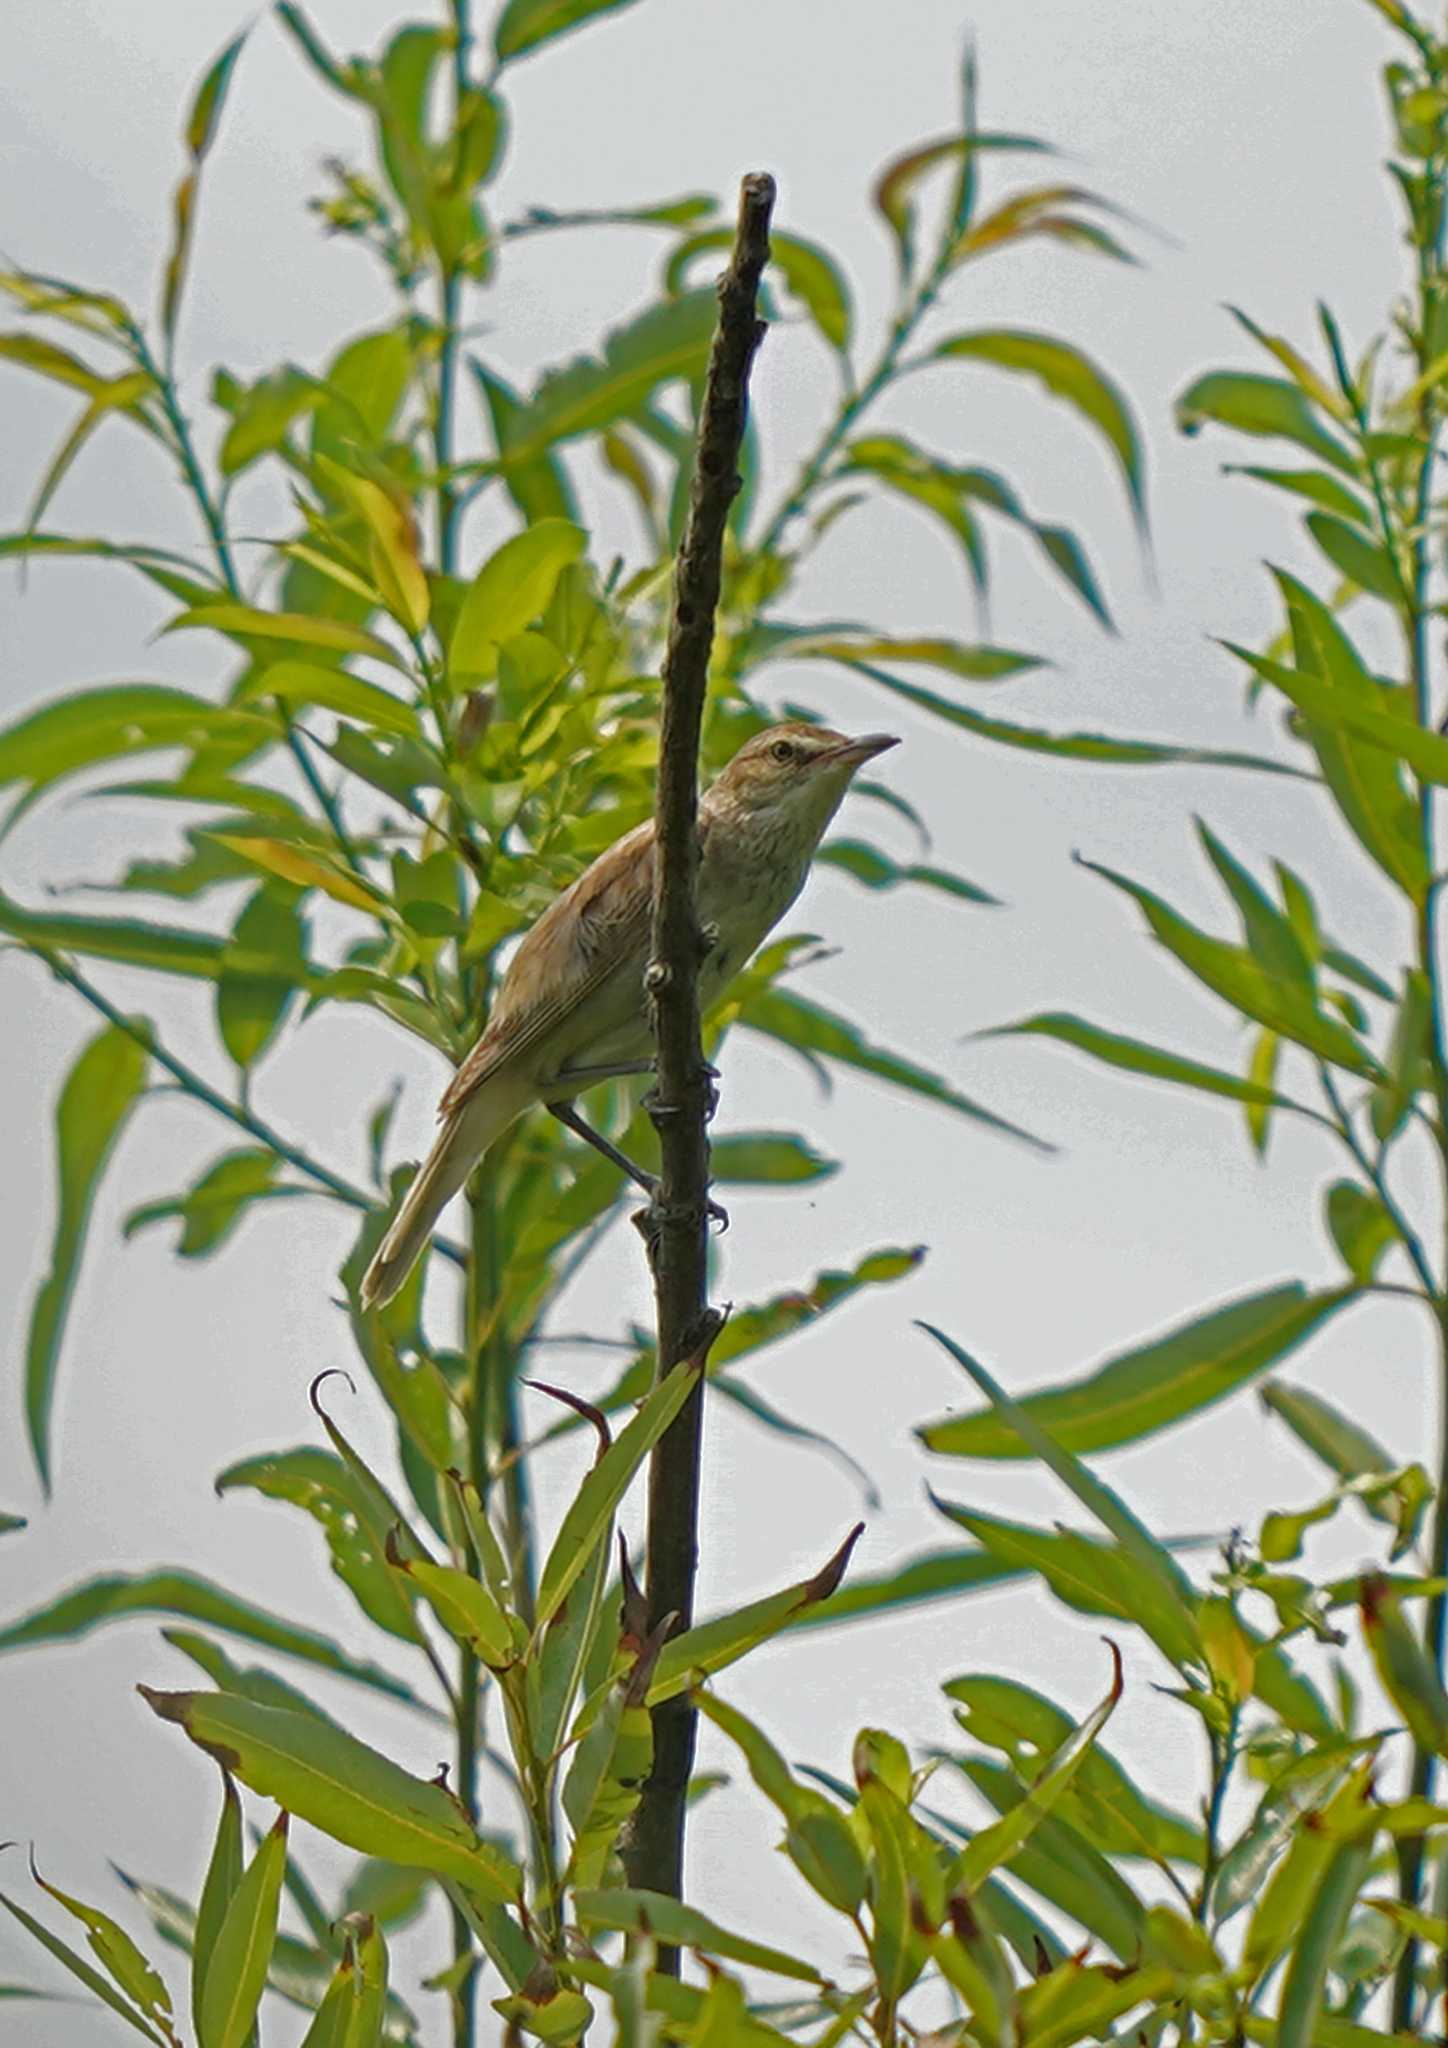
[(571, 1011)]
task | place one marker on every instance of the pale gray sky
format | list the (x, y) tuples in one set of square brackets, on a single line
[(1251, 134)]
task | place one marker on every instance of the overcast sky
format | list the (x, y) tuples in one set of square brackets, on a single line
[(1250, 135)]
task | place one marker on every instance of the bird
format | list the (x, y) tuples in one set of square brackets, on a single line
[(572, 1009)]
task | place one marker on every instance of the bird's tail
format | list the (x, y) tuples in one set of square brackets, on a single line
[(461, 1143)]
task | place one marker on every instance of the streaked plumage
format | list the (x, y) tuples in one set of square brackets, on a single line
[(573, 996)]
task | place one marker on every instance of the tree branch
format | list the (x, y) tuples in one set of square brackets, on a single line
[(676, 1225)]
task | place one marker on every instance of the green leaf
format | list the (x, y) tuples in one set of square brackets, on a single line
[(10, 1523), (590, 1514), (170, 949), (318, 1482), (1342, 1446), (176, 574), (524, 24), (511, 590), (972, 664), (123, 1962), (877, 871), (1360, 1227), (100, 1092), (1305, 1987), (934, 1575), (894, 193), (810, 1028), (665, 343), (1311, 484), (1068, 375), (995, 1845), (1362, 561), (241, 622), (1070, 746), (198, 134), (210, 1210), (251, 1008), (119, 719), (711, 1645), (1148, 1389), (223, 1875), (466, 1609), (1174, 1601), (1102, 1804), (1093, 1576), (665, 1919), (810, 274), (1365, 780), (540, 489), (365, 385), (236, 1969), (1409, 1675), (1064, 1867), (334, 689), (1267, 406), (350, 1791), (767, 1159), (113, 1596), (1133, 1056), (1232, 974), (78, 1967)]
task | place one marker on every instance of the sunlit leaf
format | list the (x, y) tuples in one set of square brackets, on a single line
[(89, 726), (666, 1919), (661, 345), (198, 134), (509, 592)]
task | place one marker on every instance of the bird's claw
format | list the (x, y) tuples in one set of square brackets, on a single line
[(716, 1213)]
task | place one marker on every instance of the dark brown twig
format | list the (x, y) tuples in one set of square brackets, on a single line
[(676, 1225)]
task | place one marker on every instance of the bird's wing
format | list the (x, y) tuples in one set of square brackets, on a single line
[(596, 929)]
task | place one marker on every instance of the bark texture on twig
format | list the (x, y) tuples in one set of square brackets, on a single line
[(676, 1226)]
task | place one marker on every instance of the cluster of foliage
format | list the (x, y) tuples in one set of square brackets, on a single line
[(429, 750)]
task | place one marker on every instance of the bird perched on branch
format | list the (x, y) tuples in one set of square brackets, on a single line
[(572, 1009)]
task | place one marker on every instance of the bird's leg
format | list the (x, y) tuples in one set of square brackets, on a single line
[(570, 1117)]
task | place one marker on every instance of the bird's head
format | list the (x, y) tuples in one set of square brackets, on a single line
[(796, 772)]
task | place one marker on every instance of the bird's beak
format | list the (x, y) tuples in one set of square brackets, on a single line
[(854, 753)]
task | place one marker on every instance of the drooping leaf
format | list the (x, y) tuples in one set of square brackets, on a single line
[(133, 1975), (117, 719), (877, 871), (1070, 746), (251, 1008), (210, 1211), (115, 1595), (1155, 1385), (351, 1791), (666, 1919), (766, 1159), (223, 1875), (1068, 375), (333, 689), (1232, 974), (1269, 406), (810, 1028), (540, 489), (1132, 1056), (664, 343), (810, 274), (99, 1093), (712, 1645)]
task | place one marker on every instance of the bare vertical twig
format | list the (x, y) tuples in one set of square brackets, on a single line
[(677, 1224)]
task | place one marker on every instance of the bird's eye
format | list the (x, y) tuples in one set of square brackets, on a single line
[(782, 751)]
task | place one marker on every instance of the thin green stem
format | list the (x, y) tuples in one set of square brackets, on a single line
[(1430, 282), (908, 318), (1411, 1242), (1224, 1756), (184, 448), (237, 1113)]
